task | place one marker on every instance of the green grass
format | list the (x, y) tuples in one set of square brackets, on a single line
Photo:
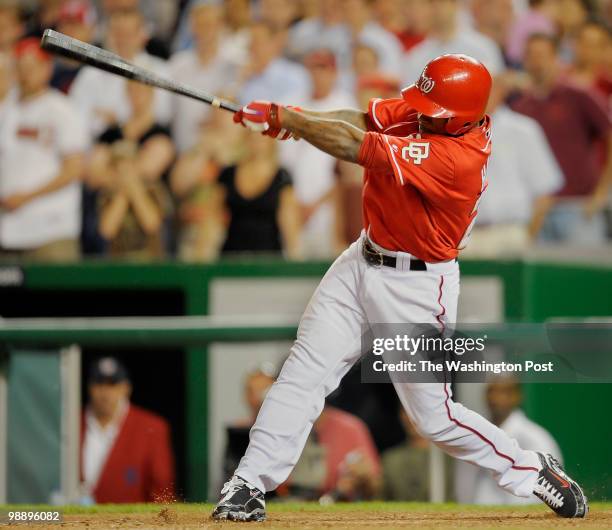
[(293, 507)]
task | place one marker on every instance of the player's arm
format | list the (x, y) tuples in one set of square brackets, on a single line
[(337, 138), (356, 118)]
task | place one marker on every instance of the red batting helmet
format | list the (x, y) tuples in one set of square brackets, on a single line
[(451, 86)]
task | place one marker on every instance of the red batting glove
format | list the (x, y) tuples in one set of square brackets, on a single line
[(264, 117), (259, 116)]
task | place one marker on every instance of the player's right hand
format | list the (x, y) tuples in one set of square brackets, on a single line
[(263, 117)]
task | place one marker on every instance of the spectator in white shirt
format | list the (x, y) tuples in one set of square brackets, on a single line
[(447, 35), (270, 76), (102, 97), (314, 172), (42, 140), (202, 67), (522, 176), (477, 486)]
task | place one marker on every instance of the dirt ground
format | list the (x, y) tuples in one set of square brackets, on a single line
[(167, 518)]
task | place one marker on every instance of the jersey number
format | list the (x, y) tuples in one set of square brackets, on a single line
[(416, 151)]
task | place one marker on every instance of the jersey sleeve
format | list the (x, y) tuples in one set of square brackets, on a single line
[(386, 112), (426, 164)]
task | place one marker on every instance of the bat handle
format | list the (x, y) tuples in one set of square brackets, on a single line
[(225, 105)]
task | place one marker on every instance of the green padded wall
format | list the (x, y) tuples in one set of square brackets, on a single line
[(579, 415), (34, 426)]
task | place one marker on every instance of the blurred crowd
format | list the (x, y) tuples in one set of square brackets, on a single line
[(91, 164)]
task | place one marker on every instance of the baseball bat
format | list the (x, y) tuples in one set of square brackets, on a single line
[(60, 44)]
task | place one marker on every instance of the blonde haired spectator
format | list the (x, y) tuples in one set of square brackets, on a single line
[(193, 182), (127, 167), (258, 199)]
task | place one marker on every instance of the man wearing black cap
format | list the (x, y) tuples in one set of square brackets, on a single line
[(126, 453)]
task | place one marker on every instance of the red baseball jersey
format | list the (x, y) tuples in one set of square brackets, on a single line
[(421, 191)]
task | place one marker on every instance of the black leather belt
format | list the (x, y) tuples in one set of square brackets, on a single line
[(376, 258)]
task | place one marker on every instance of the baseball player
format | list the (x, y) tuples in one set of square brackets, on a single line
[(425, 156)]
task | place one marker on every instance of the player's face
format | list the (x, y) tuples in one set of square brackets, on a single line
[(427, 124)]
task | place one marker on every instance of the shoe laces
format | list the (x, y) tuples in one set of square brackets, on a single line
[(548, 493), (232, 485)]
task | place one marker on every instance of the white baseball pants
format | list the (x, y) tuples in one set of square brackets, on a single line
[(351, 295)]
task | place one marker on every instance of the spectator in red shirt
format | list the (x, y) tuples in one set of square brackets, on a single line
[(126, 454), (575, 124), (352, 460)]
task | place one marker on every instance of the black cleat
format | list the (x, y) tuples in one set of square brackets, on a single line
[(240, 502), (555, 488)]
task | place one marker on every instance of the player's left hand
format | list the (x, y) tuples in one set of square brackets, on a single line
[(263, 117)]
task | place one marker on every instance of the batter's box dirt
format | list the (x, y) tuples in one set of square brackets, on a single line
[(342, 516)]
